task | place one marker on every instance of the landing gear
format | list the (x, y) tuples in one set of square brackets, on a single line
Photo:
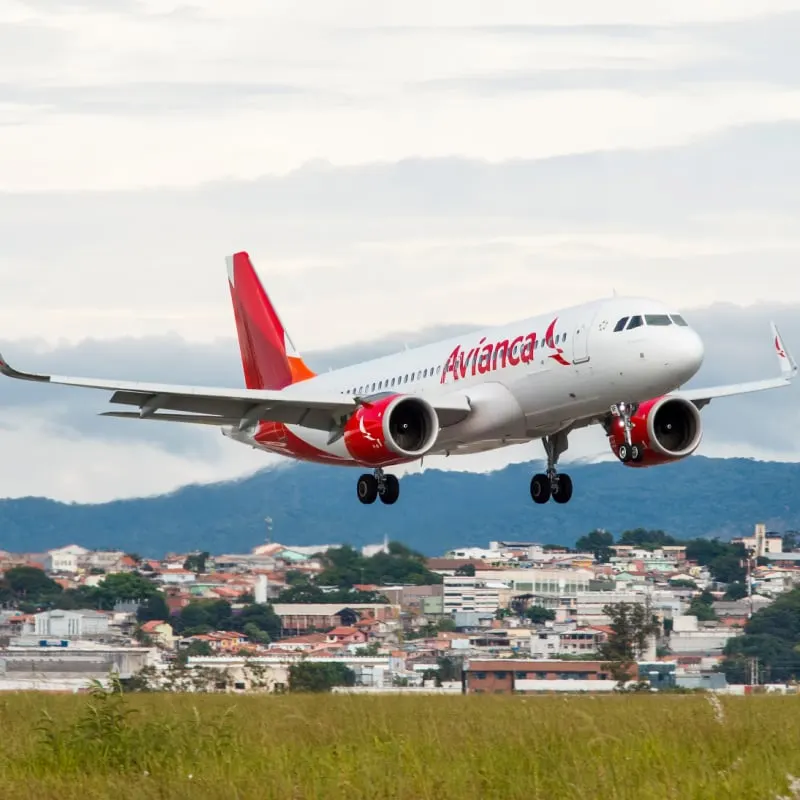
[(552, 484), (370, 487), (627, 451)]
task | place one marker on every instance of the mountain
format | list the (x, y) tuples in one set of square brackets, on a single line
[(437, 510)]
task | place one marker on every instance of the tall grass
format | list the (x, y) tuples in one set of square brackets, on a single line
[(343, 746)]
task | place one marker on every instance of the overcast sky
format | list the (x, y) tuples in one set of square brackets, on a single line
[(395, 170)]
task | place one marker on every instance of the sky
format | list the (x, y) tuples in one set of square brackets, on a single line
[(397, 172)]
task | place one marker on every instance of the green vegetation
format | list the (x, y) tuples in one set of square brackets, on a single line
[(723, 559), (632, 624), (770, 644), (702, 607), (217, 747), (345, 568)]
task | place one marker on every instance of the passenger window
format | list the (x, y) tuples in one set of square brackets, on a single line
[(373, 387), (679, 320), (392, 381), (636, 322), (658, 320), (425, 373), (563, 338), (621, 325)]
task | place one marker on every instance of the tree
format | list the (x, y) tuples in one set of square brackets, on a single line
[(538, 615), (649, 540), (155, 607), (467, 570), (197, 562), (736, 591), (702, 608), (318, 677), (771, 639), (262, 617), (791, 541), (29, 583), (598, 543), (632, 624), (450, 668)]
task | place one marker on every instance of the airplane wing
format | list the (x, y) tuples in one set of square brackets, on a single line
[(788, 368), (242, 407)]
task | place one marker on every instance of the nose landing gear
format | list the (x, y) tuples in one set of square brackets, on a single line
[(627, 451)]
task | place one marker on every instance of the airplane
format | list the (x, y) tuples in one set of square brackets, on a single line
[(618, 363)]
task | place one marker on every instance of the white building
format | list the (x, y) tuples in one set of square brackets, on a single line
[(466, 594), (689, 637), (60, 624), (65, 559), (552, 582)]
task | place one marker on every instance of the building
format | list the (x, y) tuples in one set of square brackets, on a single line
[(466, 594), (65, 559), (297, 618), (564, 581), (160, 632), (81, 624), (513, 676), (761, 543)]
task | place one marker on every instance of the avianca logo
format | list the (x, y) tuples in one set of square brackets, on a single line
[(779, 348), (488, 357)]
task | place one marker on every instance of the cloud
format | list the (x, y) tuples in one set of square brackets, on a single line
[(397, 172), (89, 458), (448, 240), (192, 94)]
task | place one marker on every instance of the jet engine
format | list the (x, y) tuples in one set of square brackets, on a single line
[(663, 430), (391, 430)]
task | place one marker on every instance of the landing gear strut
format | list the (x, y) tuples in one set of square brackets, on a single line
[(627, 451), (370, 487), (553, 484)]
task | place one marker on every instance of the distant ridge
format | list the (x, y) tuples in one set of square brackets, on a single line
[(437, 510)]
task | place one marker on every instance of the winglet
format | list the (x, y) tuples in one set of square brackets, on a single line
[(9, 371), (788, 364)]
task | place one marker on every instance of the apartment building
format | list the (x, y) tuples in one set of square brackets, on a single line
[(464, 594)]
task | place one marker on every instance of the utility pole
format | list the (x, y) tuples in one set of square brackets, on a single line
[(749, 582)]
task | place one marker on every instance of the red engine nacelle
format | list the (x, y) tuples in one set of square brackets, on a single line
[(391, 430), (665, 429)]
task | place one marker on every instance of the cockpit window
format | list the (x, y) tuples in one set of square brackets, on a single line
[(636, 322), (661, 320), (621, 325), (679, 320)]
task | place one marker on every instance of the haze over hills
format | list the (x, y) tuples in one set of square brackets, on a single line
[(437, 510)]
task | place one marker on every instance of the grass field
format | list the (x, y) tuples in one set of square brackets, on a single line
[(338, 746)]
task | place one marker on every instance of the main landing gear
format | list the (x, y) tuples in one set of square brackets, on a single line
[(371, 487), (627, 451), (553, 484)]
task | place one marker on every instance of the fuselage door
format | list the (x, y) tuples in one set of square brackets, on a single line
[(580, 343)]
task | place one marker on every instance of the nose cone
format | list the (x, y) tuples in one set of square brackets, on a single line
[(689, 353)]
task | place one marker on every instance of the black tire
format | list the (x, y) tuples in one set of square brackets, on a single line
[(624, 453), (391, 490), (563, 490), (540, 489), (637, 454), (367, 489)]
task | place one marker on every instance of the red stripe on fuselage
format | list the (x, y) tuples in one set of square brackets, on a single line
[(277, 438)]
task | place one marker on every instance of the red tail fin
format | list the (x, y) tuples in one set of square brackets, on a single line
[(269, 358)]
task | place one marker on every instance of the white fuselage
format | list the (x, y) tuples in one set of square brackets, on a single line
[(523, 384)]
